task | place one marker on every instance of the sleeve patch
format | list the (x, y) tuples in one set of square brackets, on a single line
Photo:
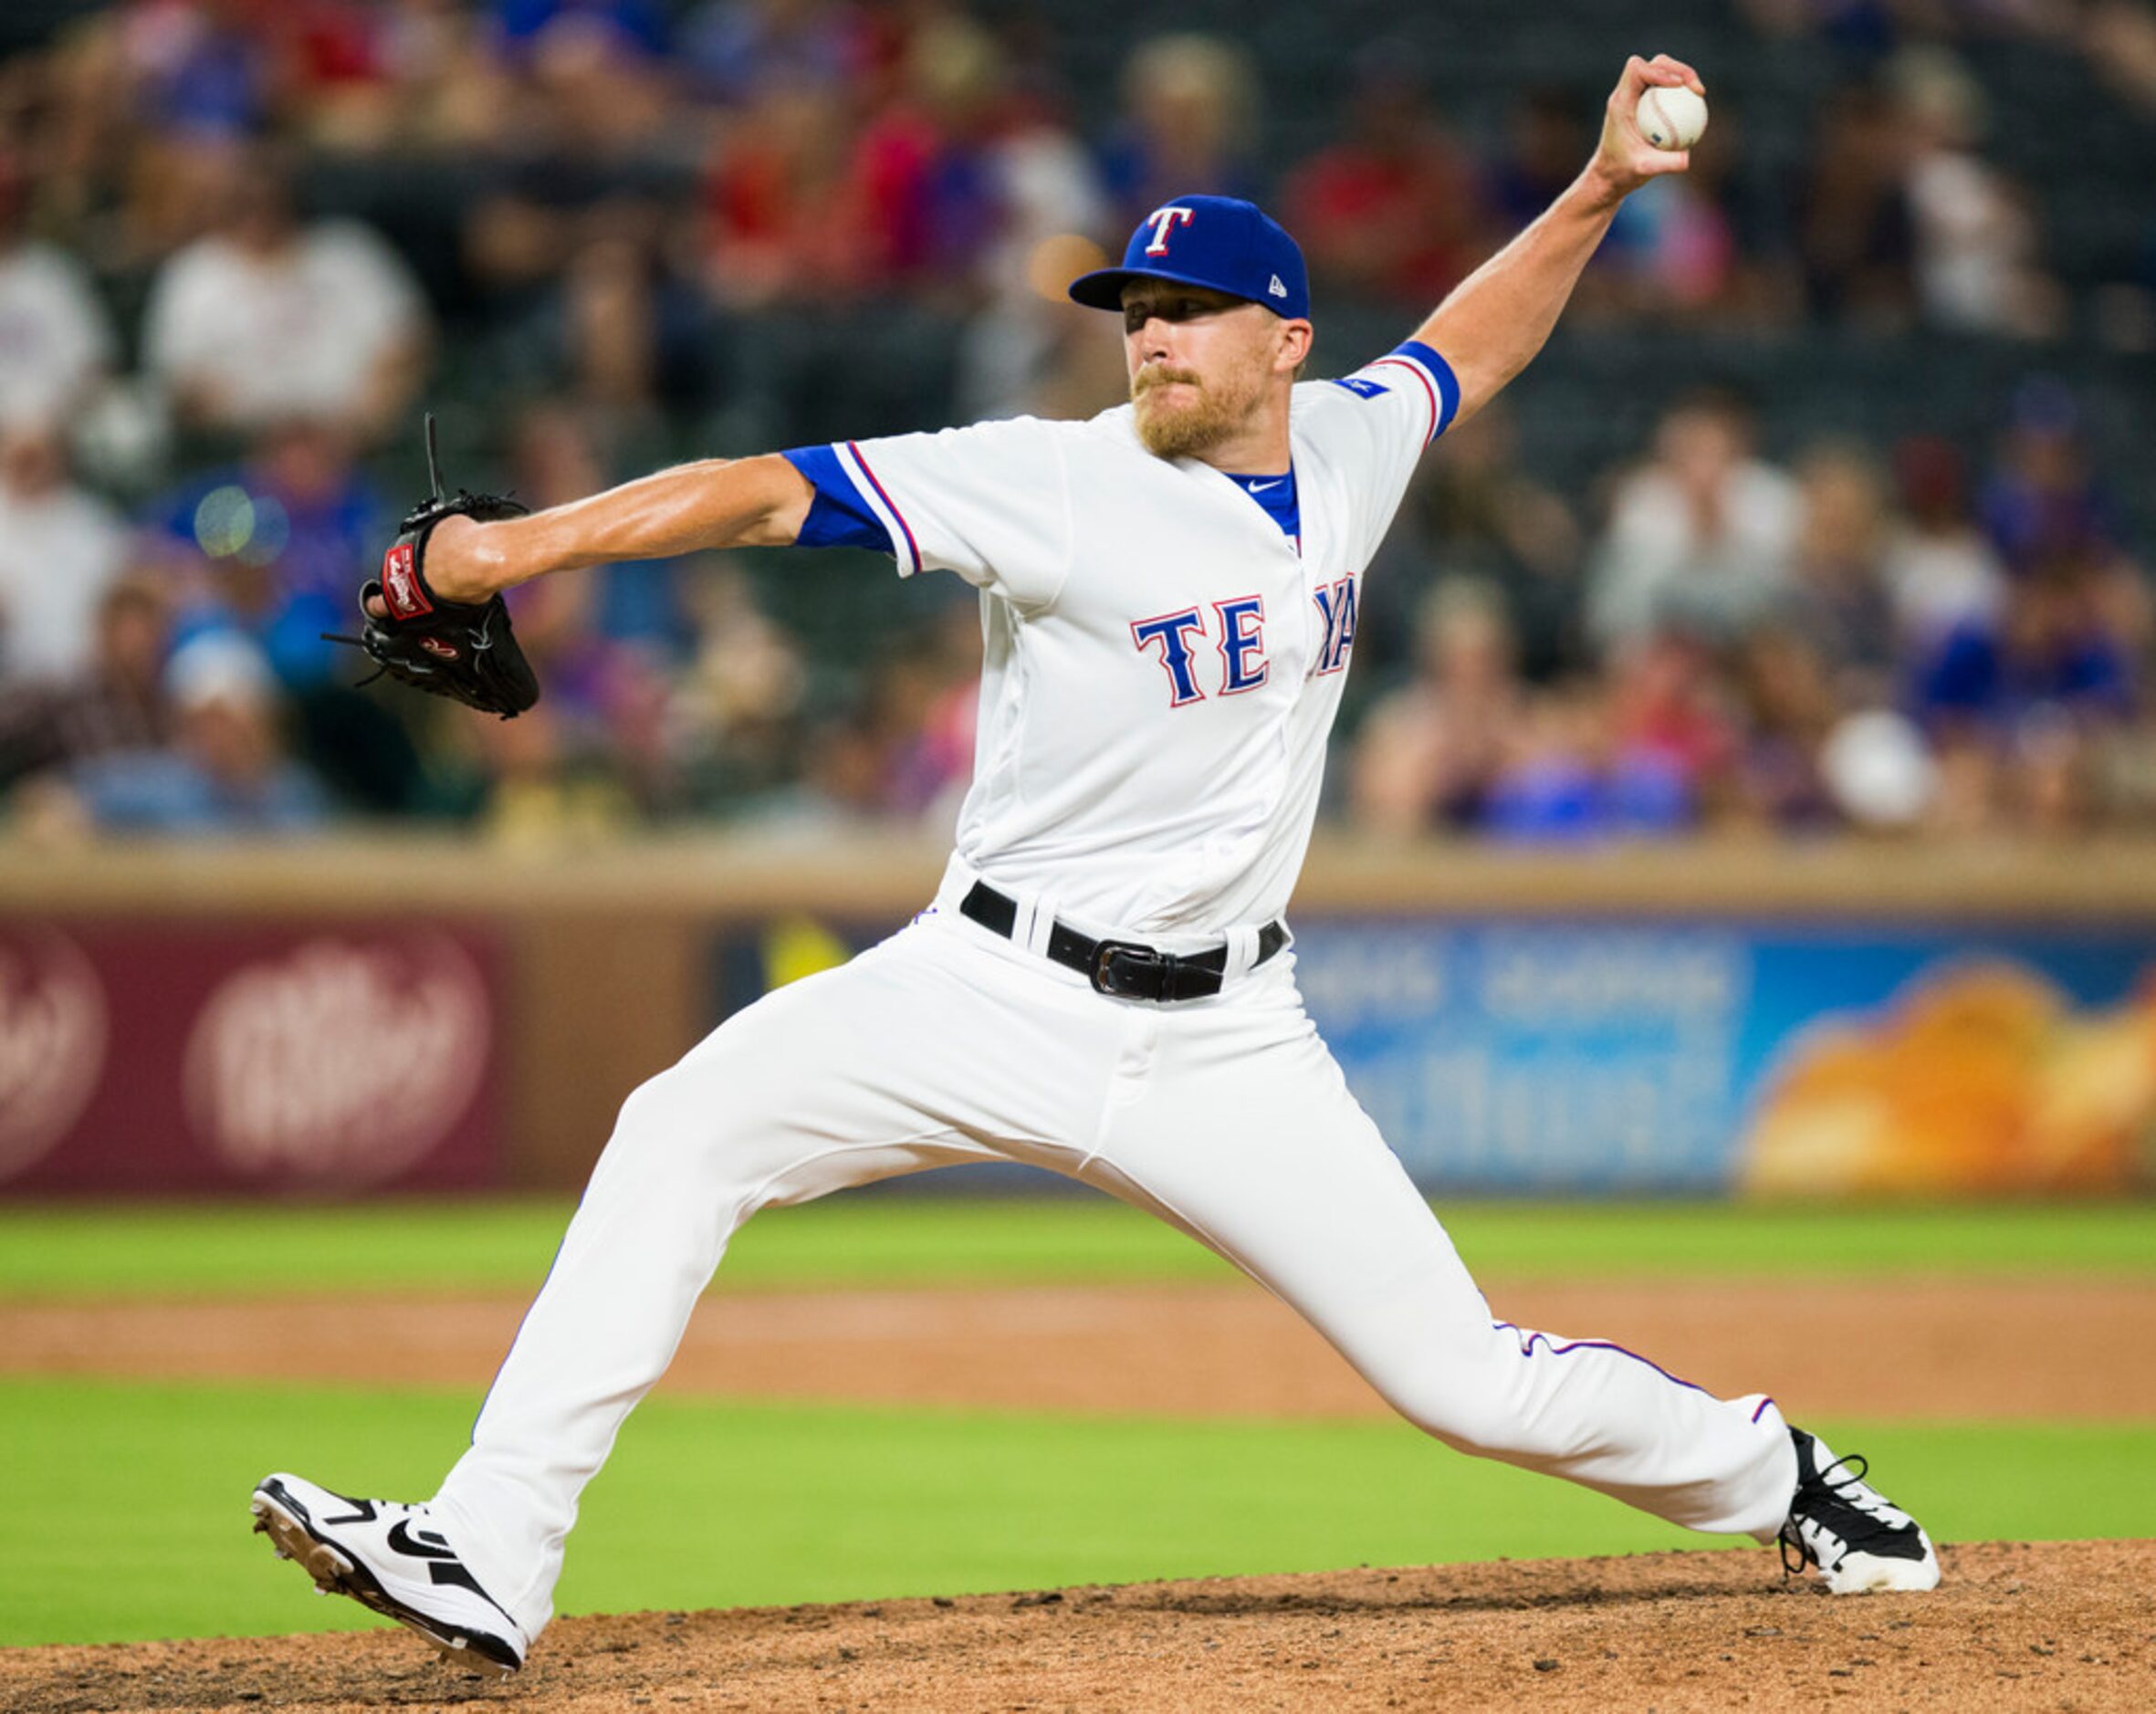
[(1362, 386)]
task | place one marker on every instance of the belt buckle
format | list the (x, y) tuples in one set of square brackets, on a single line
[(1104, 980)]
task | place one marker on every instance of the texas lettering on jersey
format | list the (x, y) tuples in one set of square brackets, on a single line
[(1335, 606), (1238, 632)]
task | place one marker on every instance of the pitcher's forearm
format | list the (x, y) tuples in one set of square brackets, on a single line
[(715, 503), (1496, 319)]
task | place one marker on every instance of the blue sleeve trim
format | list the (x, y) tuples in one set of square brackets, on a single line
[(837, 518), (1441, 372)]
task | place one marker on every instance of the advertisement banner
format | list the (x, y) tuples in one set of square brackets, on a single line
[(151, 1057), (1585, 1057)]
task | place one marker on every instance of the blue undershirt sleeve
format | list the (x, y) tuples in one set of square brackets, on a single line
[(837, 518)]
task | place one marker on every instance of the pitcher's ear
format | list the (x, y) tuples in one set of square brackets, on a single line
[(1297, 337)]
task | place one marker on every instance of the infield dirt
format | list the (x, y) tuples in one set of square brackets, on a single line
[(1933, 1350), (2048, 1625)]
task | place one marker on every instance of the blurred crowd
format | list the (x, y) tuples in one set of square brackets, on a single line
[(243, 240), (1884, 643)]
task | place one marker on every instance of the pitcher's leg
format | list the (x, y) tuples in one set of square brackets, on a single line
[(1248, 1135), (821, 1085)]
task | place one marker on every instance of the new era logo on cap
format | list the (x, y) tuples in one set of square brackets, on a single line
[(1221, 242)]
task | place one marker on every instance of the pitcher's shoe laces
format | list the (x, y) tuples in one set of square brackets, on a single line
[(1860, 1541), (1851, 1490)]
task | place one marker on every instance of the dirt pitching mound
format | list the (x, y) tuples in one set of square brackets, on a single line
[(2045, 1625)]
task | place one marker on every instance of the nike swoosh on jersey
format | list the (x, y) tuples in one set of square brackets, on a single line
[(1260, 487)]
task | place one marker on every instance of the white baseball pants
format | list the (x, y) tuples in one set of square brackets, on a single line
[(1227, 1117)]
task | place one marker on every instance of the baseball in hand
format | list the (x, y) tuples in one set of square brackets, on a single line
[(1672, 118)]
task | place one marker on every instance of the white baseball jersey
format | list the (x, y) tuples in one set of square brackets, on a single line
[(1163, 650)]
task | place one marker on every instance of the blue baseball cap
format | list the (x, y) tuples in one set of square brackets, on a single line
[(1221, 242)]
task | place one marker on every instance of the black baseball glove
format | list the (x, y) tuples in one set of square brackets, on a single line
[(460, 649)]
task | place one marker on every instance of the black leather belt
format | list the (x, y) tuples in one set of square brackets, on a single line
[(1123, 967)]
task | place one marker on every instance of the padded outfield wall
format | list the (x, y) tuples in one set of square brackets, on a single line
[(1679, 1020)]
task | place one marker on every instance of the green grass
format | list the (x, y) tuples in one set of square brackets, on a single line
[(59, 1249), (111, 1485), (133, 1524)]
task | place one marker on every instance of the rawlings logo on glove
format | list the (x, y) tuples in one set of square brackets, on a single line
[(399, 582), (464, 650)]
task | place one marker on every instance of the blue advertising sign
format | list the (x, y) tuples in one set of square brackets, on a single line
[(1583, 1056)]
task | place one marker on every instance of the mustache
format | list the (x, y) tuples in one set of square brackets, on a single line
[(1161, 375)]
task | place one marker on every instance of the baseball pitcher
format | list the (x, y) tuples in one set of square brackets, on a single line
[(1103, 984)]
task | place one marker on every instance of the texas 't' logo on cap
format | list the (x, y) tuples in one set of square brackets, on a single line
[(1164, 221), (1222, 242)]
